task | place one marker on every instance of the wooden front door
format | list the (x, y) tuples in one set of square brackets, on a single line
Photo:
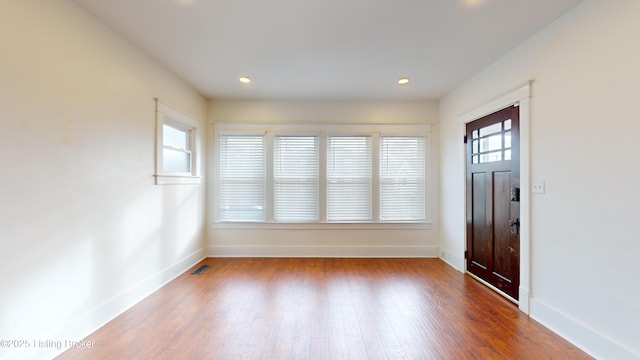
[(493, 200)]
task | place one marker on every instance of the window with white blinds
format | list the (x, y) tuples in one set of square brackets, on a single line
[(349, 178), (303, 175), (242, 178), (296, 177), (402, 178)]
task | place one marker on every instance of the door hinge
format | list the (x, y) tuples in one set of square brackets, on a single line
[(466, 254), (465, 139)]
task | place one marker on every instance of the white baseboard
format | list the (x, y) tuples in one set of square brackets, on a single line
[(524, 301), (585, 338), (324, 251), (456, 262), (84, 324)]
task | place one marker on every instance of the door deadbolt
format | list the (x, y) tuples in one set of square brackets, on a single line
[(515, 194)]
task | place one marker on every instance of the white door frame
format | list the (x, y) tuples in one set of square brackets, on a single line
[(519, 96)]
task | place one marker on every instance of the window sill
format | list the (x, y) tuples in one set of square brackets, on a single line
[(323, 226), (177, 180)]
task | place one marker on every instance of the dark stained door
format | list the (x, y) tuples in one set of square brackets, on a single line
[(493, 200)]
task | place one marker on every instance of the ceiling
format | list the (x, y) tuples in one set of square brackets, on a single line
[(326, 49)]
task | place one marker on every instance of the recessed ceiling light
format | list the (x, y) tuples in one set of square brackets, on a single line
[(244, 79), (403, 81), (473, 2)]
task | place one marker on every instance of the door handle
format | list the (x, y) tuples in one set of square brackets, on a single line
[(514, 224)]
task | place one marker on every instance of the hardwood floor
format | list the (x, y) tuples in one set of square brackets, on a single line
[(277, 308)]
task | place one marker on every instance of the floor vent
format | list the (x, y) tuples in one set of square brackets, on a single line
[(200, 270)]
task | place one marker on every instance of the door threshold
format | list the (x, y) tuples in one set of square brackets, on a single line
[(500, 292)]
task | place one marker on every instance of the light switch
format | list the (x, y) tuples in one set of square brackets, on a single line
[(537, 187)]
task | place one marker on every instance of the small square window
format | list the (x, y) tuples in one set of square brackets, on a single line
[(177, 146)]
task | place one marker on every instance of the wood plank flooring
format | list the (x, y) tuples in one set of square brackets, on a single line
[(278, 308)]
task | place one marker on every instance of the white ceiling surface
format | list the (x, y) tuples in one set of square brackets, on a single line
[(326, 49)]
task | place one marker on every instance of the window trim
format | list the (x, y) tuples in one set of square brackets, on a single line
[(324, 131), (180, 120)]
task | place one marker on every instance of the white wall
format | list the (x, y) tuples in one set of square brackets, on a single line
[(584, 119), (84, 232), (333, 240)]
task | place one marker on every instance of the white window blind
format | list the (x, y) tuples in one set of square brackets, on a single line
[(402, 178), (242, 178), (296, 178), (349, 178)]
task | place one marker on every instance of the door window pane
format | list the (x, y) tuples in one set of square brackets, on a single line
[(491, 143), (491, 129), (491, 157), (507, 154)]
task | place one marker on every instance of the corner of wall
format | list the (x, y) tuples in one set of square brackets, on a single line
[(455, 261)]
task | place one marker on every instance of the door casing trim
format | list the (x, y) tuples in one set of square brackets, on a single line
[(519, 96)]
